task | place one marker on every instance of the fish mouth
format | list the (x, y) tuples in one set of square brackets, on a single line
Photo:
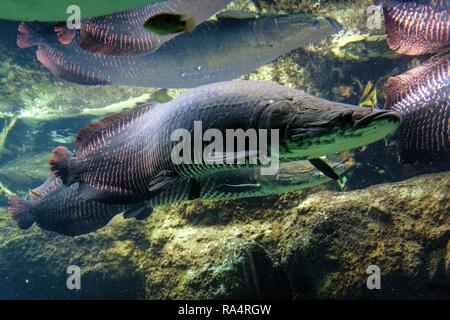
[(349, 129), (378, 115)]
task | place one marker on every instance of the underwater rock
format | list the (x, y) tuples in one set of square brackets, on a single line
[(25, 171), (298, 245)]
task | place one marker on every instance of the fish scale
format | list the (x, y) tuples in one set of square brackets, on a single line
[(422, 96), (417, 27), (124, 34), (215, 51)]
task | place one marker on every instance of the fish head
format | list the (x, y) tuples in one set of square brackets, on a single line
[(311, 127), (299, 30)]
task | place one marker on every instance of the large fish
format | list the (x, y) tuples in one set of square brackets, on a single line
[(125, 33), (422, 96), (128, 157), (417, 27), (61, 209), (215, 51)]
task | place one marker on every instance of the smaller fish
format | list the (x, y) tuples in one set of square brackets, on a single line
[(369, 96), (35, 194), (164, 24), (417, 27), (421, 95), (343, 91)]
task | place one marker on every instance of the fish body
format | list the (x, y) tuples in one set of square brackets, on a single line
[(127, 158), (248, 183), (126, 33), (417, 27), (421, 95), (215, 51), (57, 208), (61, 209)]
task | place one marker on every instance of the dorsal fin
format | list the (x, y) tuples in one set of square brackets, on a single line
[(117, 121), (398, 87), (50, 185)]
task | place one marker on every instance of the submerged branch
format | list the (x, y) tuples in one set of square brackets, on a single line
[(5, 191), (39, 114), (9, 124)]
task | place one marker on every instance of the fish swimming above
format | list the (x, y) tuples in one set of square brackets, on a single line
[(128, 157), (417, 27), (215, 51), (61, 209), (422, 96), (130, 32)]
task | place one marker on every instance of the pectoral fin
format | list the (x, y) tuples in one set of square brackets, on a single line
[(162, 180), (325, 168), (140, 213)]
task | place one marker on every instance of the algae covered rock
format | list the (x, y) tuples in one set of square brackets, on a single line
[(297, 245)]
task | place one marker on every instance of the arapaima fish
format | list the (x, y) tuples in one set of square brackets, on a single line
[(417, 27), (215, 51), (127, 157), (124, 33), (422, 96), (55, 207)]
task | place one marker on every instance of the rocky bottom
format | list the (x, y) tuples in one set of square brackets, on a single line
[(296, 246)]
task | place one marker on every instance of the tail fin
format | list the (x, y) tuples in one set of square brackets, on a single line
[(19, 209), (65, 35), (33, 34), (60, 165)]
